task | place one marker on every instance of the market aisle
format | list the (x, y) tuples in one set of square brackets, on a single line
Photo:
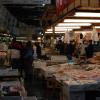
[(35, 88), (38, 88)]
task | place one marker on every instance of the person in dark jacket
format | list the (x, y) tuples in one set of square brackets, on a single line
[(60, 47), (28, 60), (89, 49), (15, 54), (38, 50), (70, 50)]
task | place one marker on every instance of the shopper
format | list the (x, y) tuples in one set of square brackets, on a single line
[(28, 60), (35, 53), (70, 48), (60, 47), (82, 48), (14, 54), (89, 49), (38, 50)]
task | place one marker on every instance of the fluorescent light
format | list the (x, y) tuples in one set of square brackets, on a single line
[(55, 32), (97, 26), (87, 14), (82, 31), (39, 38), (49, 30), (61, 29), (43, 4), (74, 24), (76, 27), (83, 20), (64, 28)]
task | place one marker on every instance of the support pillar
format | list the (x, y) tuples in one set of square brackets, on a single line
[(53, 38)]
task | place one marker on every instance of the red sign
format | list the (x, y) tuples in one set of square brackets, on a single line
[(58, 6), (62, 4)]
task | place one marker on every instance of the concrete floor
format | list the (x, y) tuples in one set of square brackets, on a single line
[(37, 87)]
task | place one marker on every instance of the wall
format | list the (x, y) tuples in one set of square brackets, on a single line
[(10, 24)]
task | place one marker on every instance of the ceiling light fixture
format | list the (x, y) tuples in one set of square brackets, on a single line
[(83, 31), (55, 32), (97, 27), (43, 4), (74, 27), (83, 20), (59, 29), (87, 14), (73, 24)]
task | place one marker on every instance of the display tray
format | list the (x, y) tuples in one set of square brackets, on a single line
[(11, 98), (5, 73), (14, 88), (18, 98)]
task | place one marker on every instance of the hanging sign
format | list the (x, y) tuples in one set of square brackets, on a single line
[(59, 5), (62, 4)]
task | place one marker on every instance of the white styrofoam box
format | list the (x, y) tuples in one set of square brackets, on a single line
[(58, 58), (39, 64)]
